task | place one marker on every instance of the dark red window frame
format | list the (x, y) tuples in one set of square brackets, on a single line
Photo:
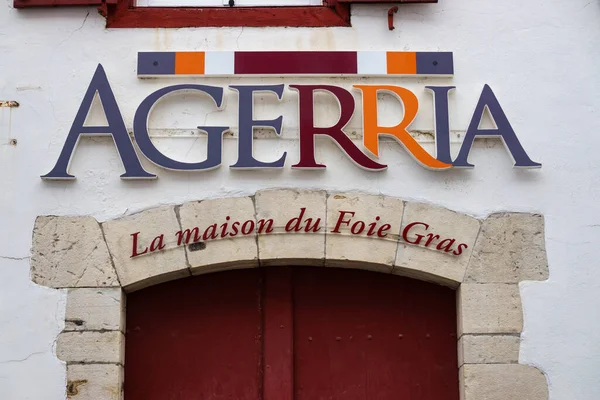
[(124, 14)]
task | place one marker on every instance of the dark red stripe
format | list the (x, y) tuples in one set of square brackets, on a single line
[(296, 62)]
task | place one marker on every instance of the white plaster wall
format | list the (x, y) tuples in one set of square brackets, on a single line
[(540, 56)]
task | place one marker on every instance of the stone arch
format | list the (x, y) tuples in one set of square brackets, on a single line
[(94, 263)]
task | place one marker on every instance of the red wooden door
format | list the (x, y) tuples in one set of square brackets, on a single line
[(292, 334)]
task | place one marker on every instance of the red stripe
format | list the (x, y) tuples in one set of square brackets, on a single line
[(56, 3), (296, 62)]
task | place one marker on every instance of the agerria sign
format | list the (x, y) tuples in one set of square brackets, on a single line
[(366, 157)]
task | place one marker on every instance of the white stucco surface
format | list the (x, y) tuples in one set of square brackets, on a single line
[(540, 56)]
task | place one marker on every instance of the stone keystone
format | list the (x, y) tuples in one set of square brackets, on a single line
[(301, 244)]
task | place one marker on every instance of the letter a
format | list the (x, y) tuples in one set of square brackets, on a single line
[(115, 128), (503, 130)]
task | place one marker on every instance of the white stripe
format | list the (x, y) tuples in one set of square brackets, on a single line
[(218, 63), (372, 63)]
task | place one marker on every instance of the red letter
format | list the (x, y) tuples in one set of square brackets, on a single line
[(308, 130), (408, 228), (134, 252), (448, 247), (250, 230), (360, 229), (432, 237), (371, 231), (188, 235), (262, 223), (295, 221), (157, 245), (234, 227), (315, 227), (341, 220), (384, 227), (224, 227), (460, 249), (212, 235)]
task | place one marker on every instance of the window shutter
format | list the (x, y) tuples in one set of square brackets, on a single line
[(59, 3)]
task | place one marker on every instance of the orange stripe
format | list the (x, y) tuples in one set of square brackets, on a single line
[(401, 63), (189, 63)]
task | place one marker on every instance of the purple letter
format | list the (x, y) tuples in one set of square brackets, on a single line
[(215, 133), (441, 121), (247, 123), (503, 131), (115, 128)]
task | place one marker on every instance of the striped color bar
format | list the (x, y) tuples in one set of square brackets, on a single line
[(328, 63)]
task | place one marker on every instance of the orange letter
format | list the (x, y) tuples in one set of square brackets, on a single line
[(371, 130)]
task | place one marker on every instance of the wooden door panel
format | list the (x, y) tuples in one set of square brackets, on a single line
[(278, 335), (197, 338), (292, 334), (368, 336)]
